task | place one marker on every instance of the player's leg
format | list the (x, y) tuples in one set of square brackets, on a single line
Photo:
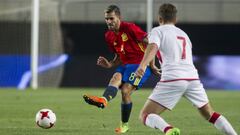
[(149, 115), (197, 95), (164, 96), (112, 88), (109, 93), (219, 121), (130, 84), (126, 107)]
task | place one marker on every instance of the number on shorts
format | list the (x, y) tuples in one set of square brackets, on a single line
[(137, 80), (131, 77)]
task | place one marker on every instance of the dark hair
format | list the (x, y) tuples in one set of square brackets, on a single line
[(113, 8), (168, 12)]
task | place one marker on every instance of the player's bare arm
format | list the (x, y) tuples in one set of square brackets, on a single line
[(116, 60), (152, 65), (149, 55), (103, 62)]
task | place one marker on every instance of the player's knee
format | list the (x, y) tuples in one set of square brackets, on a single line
[(126, 93), (116, 79)]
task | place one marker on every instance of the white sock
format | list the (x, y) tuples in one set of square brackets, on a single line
[(157, 122), (222, 124)]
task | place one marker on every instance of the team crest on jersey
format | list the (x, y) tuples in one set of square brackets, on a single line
[(124, 37)]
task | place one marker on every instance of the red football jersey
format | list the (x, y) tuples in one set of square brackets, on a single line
[(127, 43)]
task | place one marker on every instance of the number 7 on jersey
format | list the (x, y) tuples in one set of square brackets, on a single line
[(184, 46)]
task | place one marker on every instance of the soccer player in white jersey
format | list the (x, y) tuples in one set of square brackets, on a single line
[(179, 76)]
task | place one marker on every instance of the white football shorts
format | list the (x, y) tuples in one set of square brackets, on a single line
[(168, 94)]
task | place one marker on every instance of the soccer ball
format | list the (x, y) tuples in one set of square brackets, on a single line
[(45, 118)]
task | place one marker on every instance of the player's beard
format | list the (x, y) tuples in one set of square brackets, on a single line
[(111, 27)]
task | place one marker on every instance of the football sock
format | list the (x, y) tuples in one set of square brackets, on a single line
[(110, 92), (157, 122), (126, 111), (222, 124)]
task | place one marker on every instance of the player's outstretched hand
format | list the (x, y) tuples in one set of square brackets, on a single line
[(103, 62), (139, 72)]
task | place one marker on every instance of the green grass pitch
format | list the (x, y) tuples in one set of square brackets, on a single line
[(75, 117)]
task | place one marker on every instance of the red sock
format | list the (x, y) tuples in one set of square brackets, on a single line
[(214, 117), (167, 128)]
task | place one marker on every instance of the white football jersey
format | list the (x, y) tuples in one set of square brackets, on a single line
[(175, 53)]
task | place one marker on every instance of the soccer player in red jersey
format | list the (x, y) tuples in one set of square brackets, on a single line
[(128, 42)]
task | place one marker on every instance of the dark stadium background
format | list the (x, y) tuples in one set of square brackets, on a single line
[(84, 42)]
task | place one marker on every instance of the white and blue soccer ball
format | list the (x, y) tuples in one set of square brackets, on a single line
[(45, 118)]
